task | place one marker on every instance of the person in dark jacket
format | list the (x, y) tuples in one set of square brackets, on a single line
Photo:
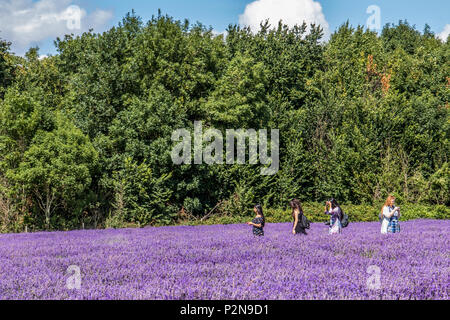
[(297, 215)]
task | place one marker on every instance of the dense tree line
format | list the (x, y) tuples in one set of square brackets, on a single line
[(85, 135)]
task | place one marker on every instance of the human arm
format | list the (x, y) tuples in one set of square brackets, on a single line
[(257, 225), (295, 222), (254, 224), (388, 214), (327, 204)]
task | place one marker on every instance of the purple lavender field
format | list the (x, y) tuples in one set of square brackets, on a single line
[(227, 262)]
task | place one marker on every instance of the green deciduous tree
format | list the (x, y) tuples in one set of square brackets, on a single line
[(57, 167)]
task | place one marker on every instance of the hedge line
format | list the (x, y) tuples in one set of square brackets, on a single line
[(315, 213)]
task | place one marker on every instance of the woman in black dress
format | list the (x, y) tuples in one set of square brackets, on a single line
[(258, 222), (297, 213)]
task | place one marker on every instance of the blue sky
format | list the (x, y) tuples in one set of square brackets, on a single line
[(220, 13), (21, 26)]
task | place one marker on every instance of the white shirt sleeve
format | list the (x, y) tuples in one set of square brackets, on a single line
[(386, 211)]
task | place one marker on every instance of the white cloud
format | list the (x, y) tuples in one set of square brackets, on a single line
[(292, 12), (26, 23), (444, 34)]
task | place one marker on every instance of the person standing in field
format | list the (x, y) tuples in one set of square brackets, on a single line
[(258, 222), (298, 226), (389, 216), (333, 209)]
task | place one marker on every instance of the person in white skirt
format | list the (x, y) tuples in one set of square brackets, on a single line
[(333, 209), (389, 216)]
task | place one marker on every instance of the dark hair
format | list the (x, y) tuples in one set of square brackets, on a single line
[(334, 203), (295, 204), (260, 212)]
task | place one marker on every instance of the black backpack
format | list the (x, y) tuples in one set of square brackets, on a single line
[(344, 220), (305, 222)]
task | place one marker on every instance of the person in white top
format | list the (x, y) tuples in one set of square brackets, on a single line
[(333, 209), (388, 212)]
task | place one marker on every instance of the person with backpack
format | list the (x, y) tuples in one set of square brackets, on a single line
[(258, 222), (389, 216), (300, 222), (336, 214)]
